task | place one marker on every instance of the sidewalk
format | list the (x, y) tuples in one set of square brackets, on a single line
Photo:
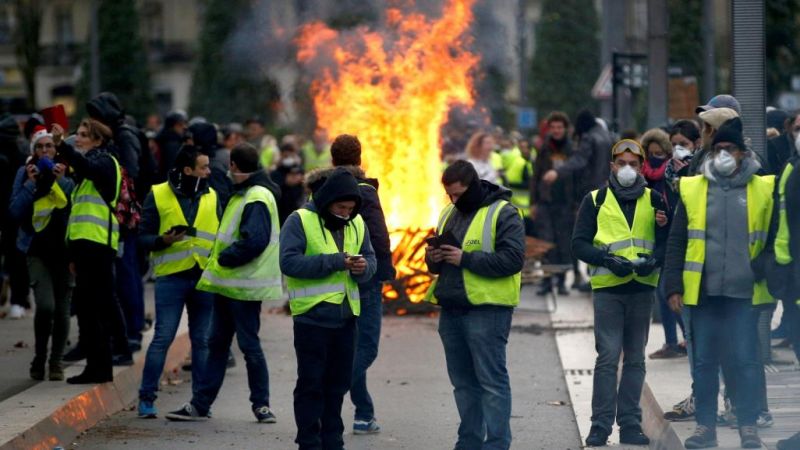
[(668, 380)]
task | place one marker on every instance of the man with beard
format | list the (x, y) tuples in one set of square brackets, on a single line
[(478, 254)]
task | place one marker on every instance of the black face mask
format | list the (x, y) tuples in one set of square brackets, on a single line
[(334, 223), (471, 199)]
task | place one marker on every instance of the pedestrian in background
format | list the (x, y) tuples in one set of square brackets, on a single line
[(40, 205), (621, 232), (477, 287), (346, 152)]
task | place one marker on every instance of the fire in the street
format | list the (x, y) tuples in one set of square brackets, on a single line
[(394, 88)]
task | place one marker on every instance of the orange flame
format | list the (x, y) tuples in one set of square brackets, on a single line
[(393, 89)]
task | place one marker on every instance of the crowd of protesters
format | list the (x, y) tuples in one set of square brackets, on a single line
[(224, 217)]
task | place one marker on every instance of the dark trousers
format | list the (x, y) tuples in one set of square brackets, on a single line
[(368, 337), (95, 304), (554, 224), (50, 281), (16, 268), (724, 329), (324, 375), (791, 314), (243, 318), (130, 289), (621, 325), (669, 318)]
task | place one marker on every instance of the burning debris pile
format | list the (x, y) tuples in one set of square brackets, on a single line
[(394, 87)]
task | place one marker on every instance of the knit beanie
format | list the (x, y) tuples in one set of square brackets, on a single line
[(39, 132), (731, 131)]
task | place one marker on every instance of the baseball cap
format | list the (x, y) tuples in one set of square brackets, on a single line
[(720, 101), (627, 145)]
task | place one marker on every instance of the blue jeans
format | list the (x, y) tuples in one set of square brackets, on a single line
[(475, 348), (243, 318), (172, 293), (724, 331), (368, 337), (621, 326), (669, 319), (130, 289)]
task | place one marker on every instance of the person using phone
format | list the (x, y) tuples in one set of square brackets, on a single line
[(40, 205), (242, 272), (478, 286), (621, 237), (178, 260), (325, 254)]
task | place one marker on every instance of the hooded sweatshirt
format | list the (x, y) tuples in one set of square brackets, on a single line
[(127, 145), (507, 259), (337, 186), (728, 271)]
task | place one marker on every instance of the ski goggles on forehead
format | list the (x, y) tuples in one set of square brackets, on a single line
[(627, 145)]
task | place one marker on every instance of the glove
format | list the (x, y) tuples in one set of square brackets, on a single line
[(619, 266), (647, 267)]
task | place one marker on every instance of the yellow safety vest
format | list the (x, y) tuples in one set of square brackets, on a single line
[(313, 160), (694, 195), (184, 254), (481, 236), (92, 218), (496, 160), (258, 280), (43, 207), (520, 190), (306, 293), (615, 235), (782, 253), (267, 157)]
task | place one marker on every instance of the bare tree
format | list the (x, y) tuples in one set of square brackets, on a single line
[(28, 16)]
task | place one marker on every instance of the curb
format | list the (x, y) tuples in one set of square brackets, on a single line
[(83, 411), (659, 430)]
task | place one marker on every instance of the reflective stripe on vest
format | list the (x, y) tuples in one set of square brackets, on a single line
[(694, 195), (480, 236), (191, 250), (617, 237), (783, 254), (306, 293), (43, 207), (91, 217), (259, 279)]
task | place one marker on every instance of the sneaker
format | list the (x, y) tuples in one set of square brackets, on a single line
[(598, 437), (56, 372), (264, 415), (682, 411), (765, 420), (147, 409), (16, 312), (187, 413), (366, 427), (667, 352), (793, 443), (749, 437), (633, 435), (703, 437)]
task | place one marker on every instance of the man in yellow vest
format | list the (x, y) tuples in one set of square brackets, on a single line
[(478, 255), (316, 152), (179, 223), (325, 253), (715, 267), (242, 272), (620, 232)]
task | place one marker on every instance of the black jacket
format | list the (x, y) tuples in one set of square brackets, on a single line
[(779, 150), (96, 165), (169, 144), (586, 228), (12, 157), (589, 162), (784, 280), (562, 192), (507, 259)]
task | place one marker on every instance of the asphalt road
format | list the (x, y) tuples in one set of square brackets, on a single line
[(409, 383)]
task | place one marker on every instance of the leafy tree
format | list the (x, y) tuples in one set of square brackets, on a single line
[(224, 88), (783, 51), (685, 36), (28, 15), (122, 59), (566, 62)]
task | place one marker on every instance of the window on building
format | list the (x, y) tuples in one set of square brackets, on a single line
[(153, 22), (65, 34), (6, 23)]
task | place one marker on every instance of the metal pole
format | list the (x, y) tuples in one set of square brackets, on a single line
[(613, 22), (657, 57), (614, 92), (523, 67), (749, 80), (709, 52), (94, 51)]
